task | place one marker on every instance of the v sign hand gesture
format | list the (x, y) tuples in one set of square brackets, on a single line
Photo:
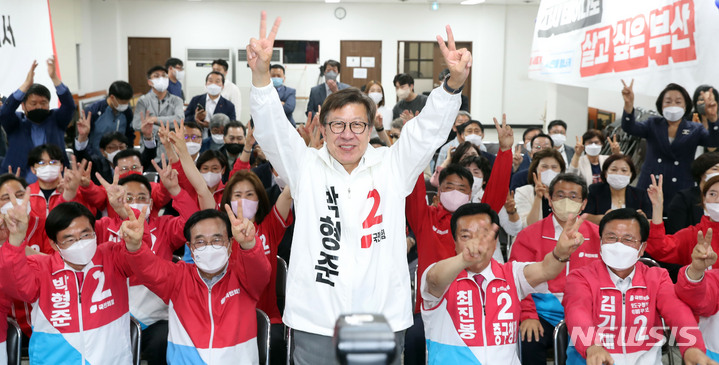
[(628, 95), (16, 220), (459, 61), (259, 52), (703, 256), (243, 231), (132, 229)]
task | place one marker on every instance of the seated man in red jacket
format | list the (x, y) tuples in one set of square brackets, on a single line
[(541, 312), (613, 306), (471, 302), (212, 302)]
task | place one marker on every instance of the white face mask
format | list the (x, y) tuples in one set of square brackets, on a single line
[(122, 107), (47, 173), (563, 208), (673, 113), (709, 176), (193, 147), (179, 75), (111, 156), (712, 210), (558, 139), (212, 178), (81, 252), (213, 89), (376, 97), (619, 256), (8, 206), (451, 200), (618, 182), (403, 93), (475, 139), (139, 207), (547, 176), (249, 208), (160, 83), (593, 149), (211, 259), (218, 138)]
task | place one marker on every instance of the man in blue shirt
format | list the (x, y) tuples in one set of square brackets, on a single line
[(287, 94), (37, 124), (176, 73), (113, 114)]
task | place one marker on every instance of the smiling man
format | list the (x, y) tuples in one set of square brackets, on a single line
[(349, 251)]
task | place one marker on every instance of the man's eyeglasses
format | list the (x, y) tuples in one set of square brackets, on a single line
[(48, 163), (140, 199), (70, 241), (130, 168), (561, 195), (201, 244), (197, 139), (627, 240), (338, 127)]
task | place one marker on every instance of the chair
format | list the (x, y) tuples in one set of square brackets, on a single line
[(13, 342), (176, 259), (561, 343), (281, 283), (649, 262), (135, 340), (263, 337)]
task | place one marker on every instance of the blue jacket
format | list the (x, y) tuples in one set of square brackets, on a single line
[(287, 95), (18, 129), (672, 160), (100, 108), (599, 200), (318, 94), (224, 106)]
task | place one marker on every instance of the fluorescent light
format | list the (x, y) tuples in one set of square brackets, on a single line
[(332, 1), (471, 2)]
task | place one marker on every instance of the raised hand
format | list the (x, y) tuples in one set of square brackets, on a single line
[(540, 190), (30, 78), (243, 231), (73, 178), (259, 52), (407, 115), (115, 193), (710, 105), (250, 137), (505, 134), (570, 239), (703, 256), (83, 126), (509, 204), (655, 191), (16, 220), (485, 235), (177, 138), (200, 115), (578, 147), (332, 85), (628, 95), (378, 120), (132, 229), (168, 176), (614, 145), (146, 125), (459, 61), (164, 134), (517, 158), (86, 177), (16, 173)]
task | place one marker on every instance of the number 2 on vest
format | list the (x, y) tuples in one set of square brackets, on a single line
[(372, 218)]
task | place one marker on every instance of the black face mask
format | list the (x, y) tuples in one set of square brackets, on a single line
[(452, 135), (38, 115), (234, 148)]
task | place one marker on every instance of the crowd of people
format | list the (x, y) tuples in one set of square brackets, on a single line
[(185, 229)]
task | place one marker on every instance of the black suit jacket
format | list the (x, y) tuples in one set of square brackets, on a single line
[(600, 199), (224, 106)]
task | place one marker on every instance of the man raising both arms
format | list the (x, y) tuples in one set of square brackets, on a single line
[(349, 253)]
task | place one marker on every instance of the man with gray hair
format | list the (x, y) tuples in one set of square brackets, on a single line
[(217, 133), (462, 117)]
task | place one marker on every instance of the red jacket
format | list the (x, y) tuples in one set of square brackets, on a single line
[(431, 226), (41, 207), (187, 186), (593, 304), (535, 242), (703, 299), (95, 198), (269, 234), (677, 248)]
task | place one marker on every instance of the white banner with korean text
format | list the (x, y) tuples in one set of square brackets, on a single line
[(595, 43), (25, 35)]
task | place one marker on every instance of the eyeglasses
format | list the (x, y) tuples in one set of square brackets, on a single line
[(201, 244), (140, 199), (130, 168), (627, 240), (540, 147), (193, 138), (395, 136), (70, 241), (338, 127), (561, 195), (48, 163)]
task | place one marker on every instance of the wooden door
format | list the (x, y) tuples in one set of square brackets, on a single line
[(439, 65), (368, 55), (143, 53)]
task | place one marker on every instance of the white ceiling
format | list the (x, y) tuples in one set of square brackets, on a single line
[(441, 2)]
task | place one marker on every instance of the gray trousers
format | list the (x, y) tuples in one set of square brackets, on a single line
[(312, 349)]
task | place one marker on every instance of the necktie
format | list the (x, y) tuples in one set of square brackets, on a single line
[(480, 279)]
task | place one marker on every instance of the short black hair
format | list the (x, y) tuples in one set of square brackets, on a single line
[(687, 100), (626, 213), (136, 178), (173, 62), (154, 69), (403, 79), (529, 130), (276, 65), (11, 177), (234, 124), (62, 216), (201, 215), (352, 95), (617, 157), (378, 141), (541, 135), (463, 126), (698, 93), (113, 136), (591, 134), (557, 122), (222, 63), (703, 163), (332, 63), (214, 73), (455, 169), (35, 155), (472, 209), (121, 90), (209, 155), (39, 90), (192, 124), (125, 154), (461, 149), (572, 178), (481, 162)]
